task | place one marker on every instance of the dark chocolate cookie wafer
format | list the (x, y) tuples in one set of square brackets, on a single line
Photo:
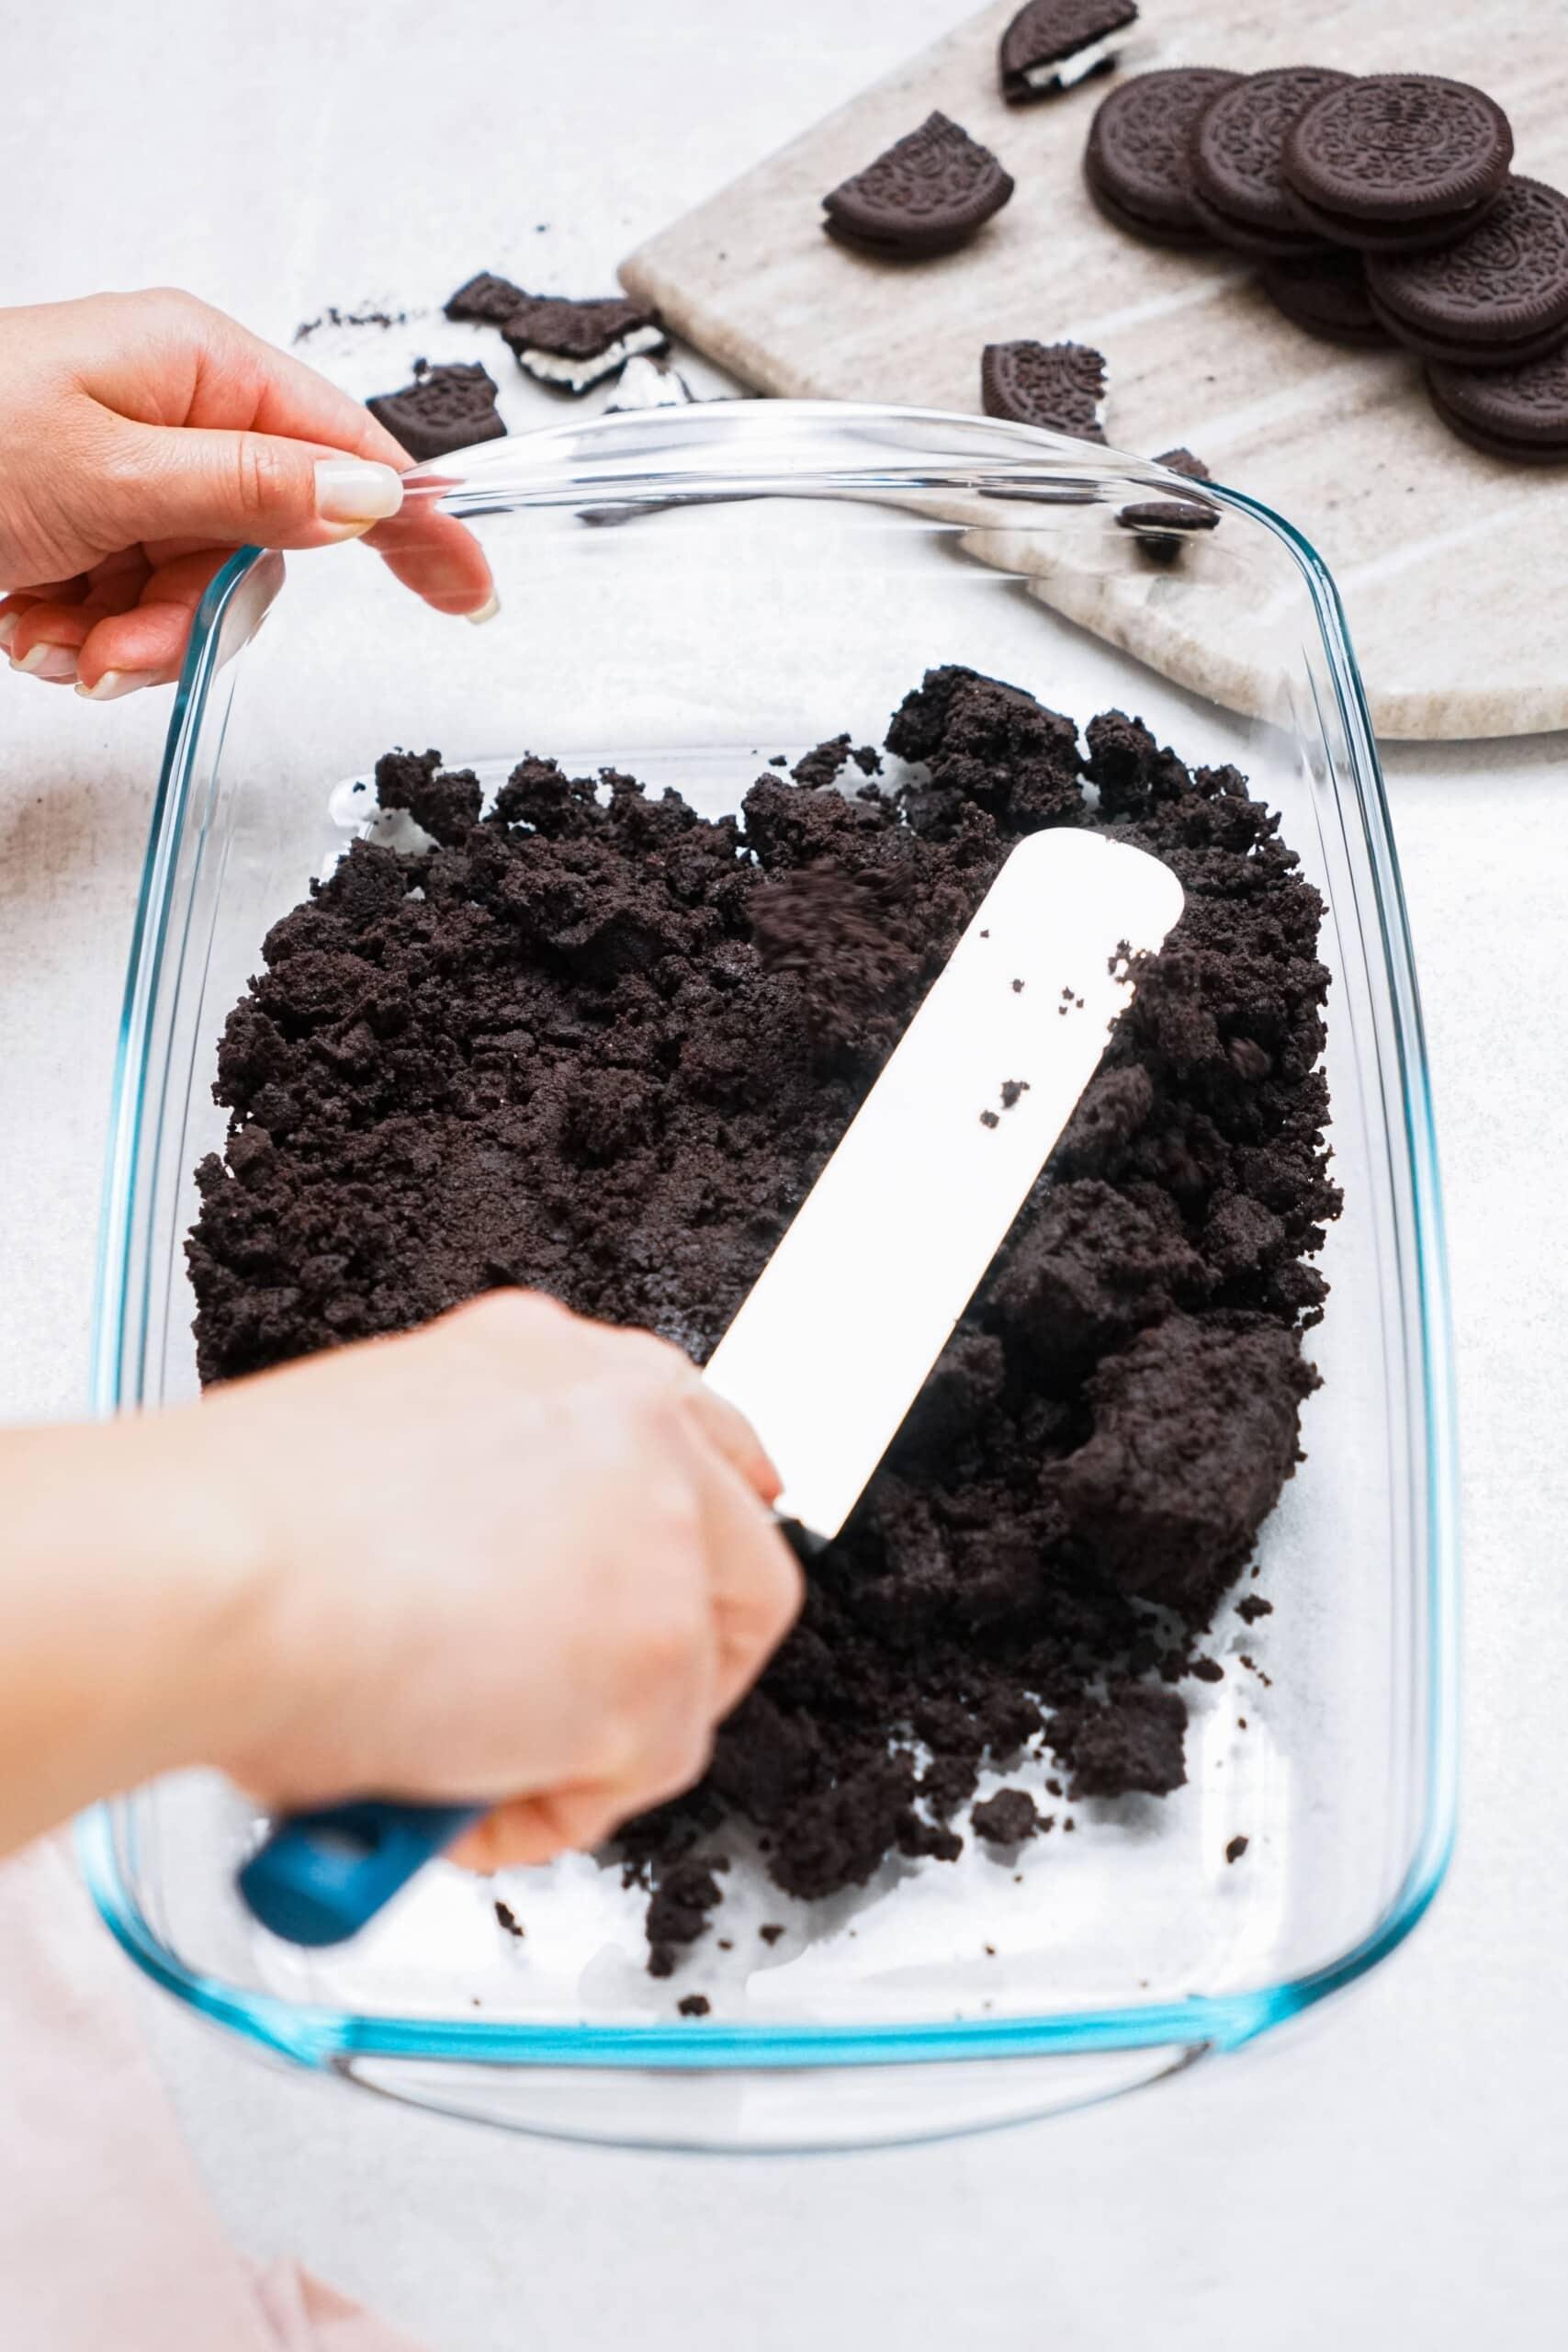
[(1162, 523), (487, 298), (1058, 386), (1518, 413), (444, 408), (1138, 162), (928, 194), (1397, 160), (1237, 142), (572, 345), (1327, 296), (1052, 45), (1497, 298)]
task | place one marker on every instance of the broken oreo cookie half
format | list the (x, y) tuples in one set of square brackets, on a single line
[(1052, 45), (445, 407), (927, 195), (1060, 387), (573, 344)]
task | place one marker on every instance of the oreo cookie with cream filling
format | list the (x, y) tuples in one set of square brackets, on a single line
[(1397, 161), (1516, 413), (1059, 387), (928, 194), (1497, 298), (573, 344), (1237, 142), (1052, 45), (1138, 163), (444, 408)]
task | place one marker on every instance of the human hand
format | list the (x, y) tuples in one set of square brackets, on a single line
[(143, 439), (516, 1555)]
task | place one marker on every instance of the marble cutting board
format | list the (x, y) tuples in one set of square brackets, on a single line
[(1452, 566)]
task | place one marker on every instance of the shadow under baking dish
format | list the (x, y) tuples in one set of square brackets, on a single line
[(685, 594)]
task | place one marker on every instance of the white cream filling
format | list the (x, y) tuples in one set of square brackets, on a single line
[(1060, 74), (578, 374)]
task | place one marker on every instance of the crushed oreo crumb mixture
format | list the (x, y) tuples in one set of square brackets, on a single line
[(550, 1050)]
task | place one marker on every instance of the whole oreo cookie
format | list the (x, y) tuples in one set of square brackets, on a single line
[(1052, 45), (1497, 298), (444, 408), (1518, 412), (1397, 161), (1138, 163), (1057, 386), (1237, 142), (1327, 296), (928, 194)]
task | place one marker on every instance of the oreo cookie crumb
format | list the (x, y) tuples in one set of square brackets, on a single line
[(770, 1932), (506, 1917), (545, 1048), (1236, 1848), (1006, 1819), (694, 2005), (1252, 1606)]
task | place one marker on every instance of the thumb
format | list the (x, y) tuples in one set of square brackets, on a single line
[(239, 488)]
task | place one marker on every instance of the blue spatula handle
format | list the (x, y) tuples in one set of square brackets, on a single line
[(322, 1876)]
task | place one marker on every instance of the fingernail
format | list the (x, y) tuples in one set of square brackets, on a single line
[(115, 683), (486, 611), (9, 624), (356, 490), (53, 663)]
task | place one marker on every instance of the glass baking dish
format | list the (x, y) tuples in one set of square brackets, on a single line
[(683, 594)]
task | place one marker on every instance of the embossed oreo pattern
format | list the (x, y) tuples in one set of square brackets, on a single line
[(1512, 412), (1048, 29), (1507, 280), (931, 189), (1058, 386), (1240, 137), (1399, 147), (1139, 153)]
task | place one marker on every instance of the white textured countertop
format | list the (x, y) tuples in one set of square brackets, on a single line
[(1398, 2171)]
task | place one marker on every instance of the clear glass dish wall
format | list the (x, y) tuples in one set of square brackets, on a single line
[(684, 595)]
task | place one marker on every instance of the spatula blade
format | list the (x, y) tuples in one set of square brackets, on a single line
[(836, 1339)]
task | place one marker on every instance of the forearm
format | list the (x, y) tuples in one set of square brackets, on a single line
[(128, 1611)]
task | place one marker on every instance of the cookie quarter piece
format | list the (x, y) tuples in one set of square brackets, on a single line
[(573, 344), (1497, 298), (1052, 45), (1237, 142), (487, 298), (928, 194), (1138, 163), (1397, 161), (1059, 387), (1158, 522), (1518, 412), (444, 408)]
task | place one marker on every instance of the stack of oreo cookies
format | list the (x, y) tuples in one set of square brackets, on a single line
[(1380, 208)]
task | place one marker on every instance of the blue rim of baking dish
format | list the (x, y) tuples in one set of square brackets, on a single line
[(320, 2037)]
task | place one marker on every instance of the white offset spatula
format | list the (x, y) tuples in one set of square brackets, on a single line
[(861, 1296)]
